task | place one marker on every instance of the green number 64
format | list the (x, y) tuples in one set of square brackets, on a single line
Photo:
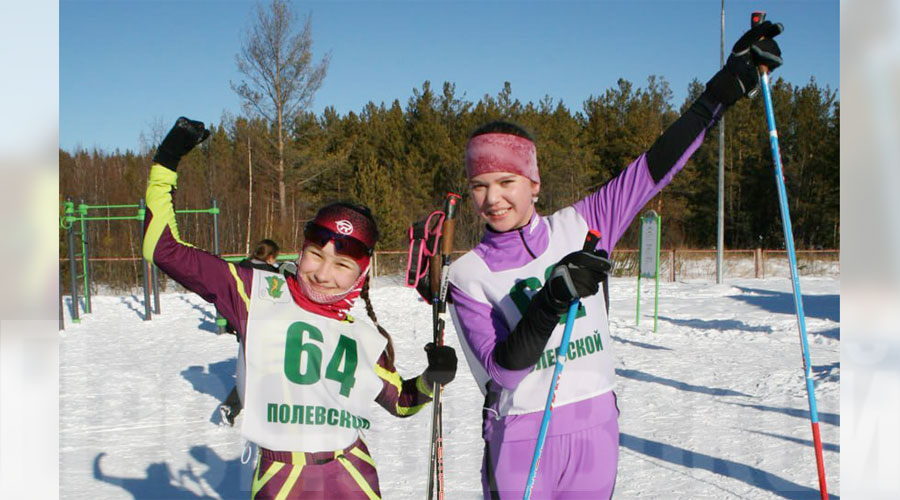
[(341, 368)]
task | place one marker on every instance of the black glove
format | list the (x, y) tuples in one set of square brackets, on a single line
[(441, 364), (577, 275), (179, 141), (740, 76)]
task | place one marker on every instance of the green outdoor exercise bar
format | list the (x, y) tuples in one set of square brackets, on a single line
[(68, 222)]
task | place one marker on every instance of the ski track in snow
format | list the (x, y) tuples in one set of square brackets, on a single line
[(713, 405)]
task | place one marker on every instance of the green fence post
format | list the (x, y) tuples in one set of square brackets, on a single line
[(73, 265), (220, 321), (62, 323), (82, 211), (147, 313)]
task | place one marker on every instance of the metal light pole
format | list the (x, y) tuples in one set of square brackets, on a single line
[(720, 233)]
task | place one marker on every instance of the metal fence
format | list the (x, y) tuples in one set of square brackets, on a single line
[(756, 263), (119, 274), (678, 264)]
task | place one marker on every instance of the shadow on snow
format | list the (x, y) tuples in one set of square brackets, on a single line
[(208, 320), (834, 333), (814, 306), (216, 380), (639, 344), (135, 304), (750, 475), (828, 418), (806, 442), (717, 324), (830, 372), (228, 478), (682, 386)]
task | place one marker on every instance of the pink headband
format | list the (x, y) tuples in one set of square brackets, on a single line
[(496, 152)]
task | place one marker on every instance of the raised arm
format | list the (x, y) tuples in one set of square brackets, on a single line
[(611, 208), (217, 281)]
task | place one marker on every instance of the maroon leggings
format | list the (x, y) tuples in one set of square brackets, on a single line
[(345, 474)]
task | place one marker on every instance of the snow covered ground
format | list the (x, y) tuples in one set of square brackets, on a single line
[(713, 404)]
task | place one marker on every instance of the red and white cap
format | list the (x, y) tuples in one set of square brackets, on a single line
[(353, 232)]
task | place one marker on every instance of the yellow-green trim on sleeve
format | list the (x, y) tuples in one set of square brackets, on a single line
[(423, 387), (159, 201), (240, 285), (390, 377), (404, 411)]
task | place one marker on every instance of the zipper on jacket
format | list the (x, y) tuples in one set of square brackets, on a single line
[(522, 235)]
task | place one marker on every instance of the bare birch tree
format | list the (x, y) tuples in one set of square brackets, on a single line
[(280, 76)]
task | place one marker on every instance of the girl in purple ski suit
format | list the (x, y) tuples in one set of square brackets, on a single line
[(510, 293)]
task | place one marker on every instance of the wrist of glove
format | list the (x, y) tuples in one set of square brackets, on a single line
[(577, 275), (441, 364), (740, 76), (185, 134)]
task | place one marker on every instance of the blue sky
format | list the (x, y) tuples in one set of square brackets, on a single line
[(127, 66)]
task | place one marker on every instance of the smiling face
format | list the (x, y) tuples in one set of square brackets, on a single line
[(325, 271), (504, 200)]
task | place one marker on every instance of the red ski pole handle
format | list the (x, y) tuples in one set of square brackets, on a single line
[(591, 240), (757, 18)]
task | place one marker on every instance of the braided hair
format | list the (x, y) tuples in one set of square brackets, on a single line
[(371, 312)]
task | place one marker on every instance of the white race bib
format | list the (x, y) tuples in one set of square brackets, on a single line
[(310, 380), (588, 368)]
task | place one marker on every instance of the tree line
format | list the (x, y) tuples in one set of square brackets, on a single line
[(400, 160)]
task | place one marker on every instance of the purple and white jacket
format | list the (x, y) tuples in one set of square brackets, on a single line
[(492, 285)]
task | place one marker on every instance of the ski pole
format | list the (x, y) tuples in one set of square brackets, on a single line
[(758, 18), (439, 283), (589, 243)]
